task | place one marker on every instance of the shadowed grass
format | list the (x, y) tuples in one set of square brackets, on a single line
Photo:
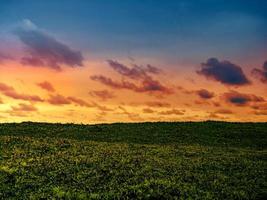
[(209, 160)]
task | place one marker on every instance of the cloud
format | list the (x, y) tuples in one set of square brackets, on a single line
[(172, 112), (261, 73), (152, 69), (148, 85), (15, 95), (136, 72), (145, 82), (58, 100), (223, 111), (202, 93), (62, 100), (4, 57), (151, 104), (201, 102), (216, 104), (133, 73), (102, 108), (240, 99), (4, 87), (224, 72), (262, 112), (261, 106), (157, 104), (46, 86), (148, 110), (17, 113), (113, 84), (205, 94), (215, 116), (12, 93), (34, 61), (28, 25), (131, 116), (24, 108), (79, 102), (44, 50), (102, 94)]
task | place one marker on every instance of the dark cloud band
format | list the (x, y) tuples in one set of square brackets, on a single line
[(223, 71)]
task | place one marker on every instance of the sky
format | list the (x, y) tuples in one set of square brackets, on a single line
[(105, 61)]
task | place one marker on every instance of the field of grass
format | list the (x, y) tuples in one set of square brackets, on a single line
[(204, 160)]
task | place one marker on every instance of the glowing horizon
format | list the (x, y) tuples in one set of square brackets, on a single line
[(91, 69)]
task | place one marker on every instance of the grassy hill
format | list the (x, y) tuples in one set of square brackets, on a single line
[(200, 160)]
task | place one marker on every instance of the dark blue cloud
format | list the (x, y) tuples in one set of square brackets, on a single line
[(261, 73), (205, 94), (44, 50), (223, 71), (241, 99)]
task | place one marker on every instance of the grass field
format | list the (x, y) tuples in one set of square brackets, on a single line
[(202, 160)]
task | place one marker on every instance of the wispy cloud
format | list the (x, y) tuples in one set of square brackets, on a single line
[(44, 50), (261, 73), (102, 94), (131, 116), (135, 72), (224, 111), (58, 100), (172, 112), (158, 104), (146, 83), (241, 99), (62, 100), (5, 57), (12, 93), (24, 108), (148, 110), (46, 86)]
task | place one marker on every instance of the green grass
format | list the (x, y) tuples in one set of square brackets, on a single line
[(204, 160)]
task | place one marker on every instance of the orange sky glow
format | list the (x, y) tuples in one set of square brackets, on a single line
[(98, 103), (89, 72)]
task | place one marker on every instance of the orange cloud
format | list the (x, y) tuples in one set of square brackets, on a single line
[(58, 100), (172, 112), (148, 110), (12, 93), (46, 86), (159, 104), (24, 108), (79, 102), (102, 94), (223, 111)]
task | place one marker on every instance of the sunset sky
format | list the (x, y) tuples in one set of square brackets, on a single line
[(102, 61)]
